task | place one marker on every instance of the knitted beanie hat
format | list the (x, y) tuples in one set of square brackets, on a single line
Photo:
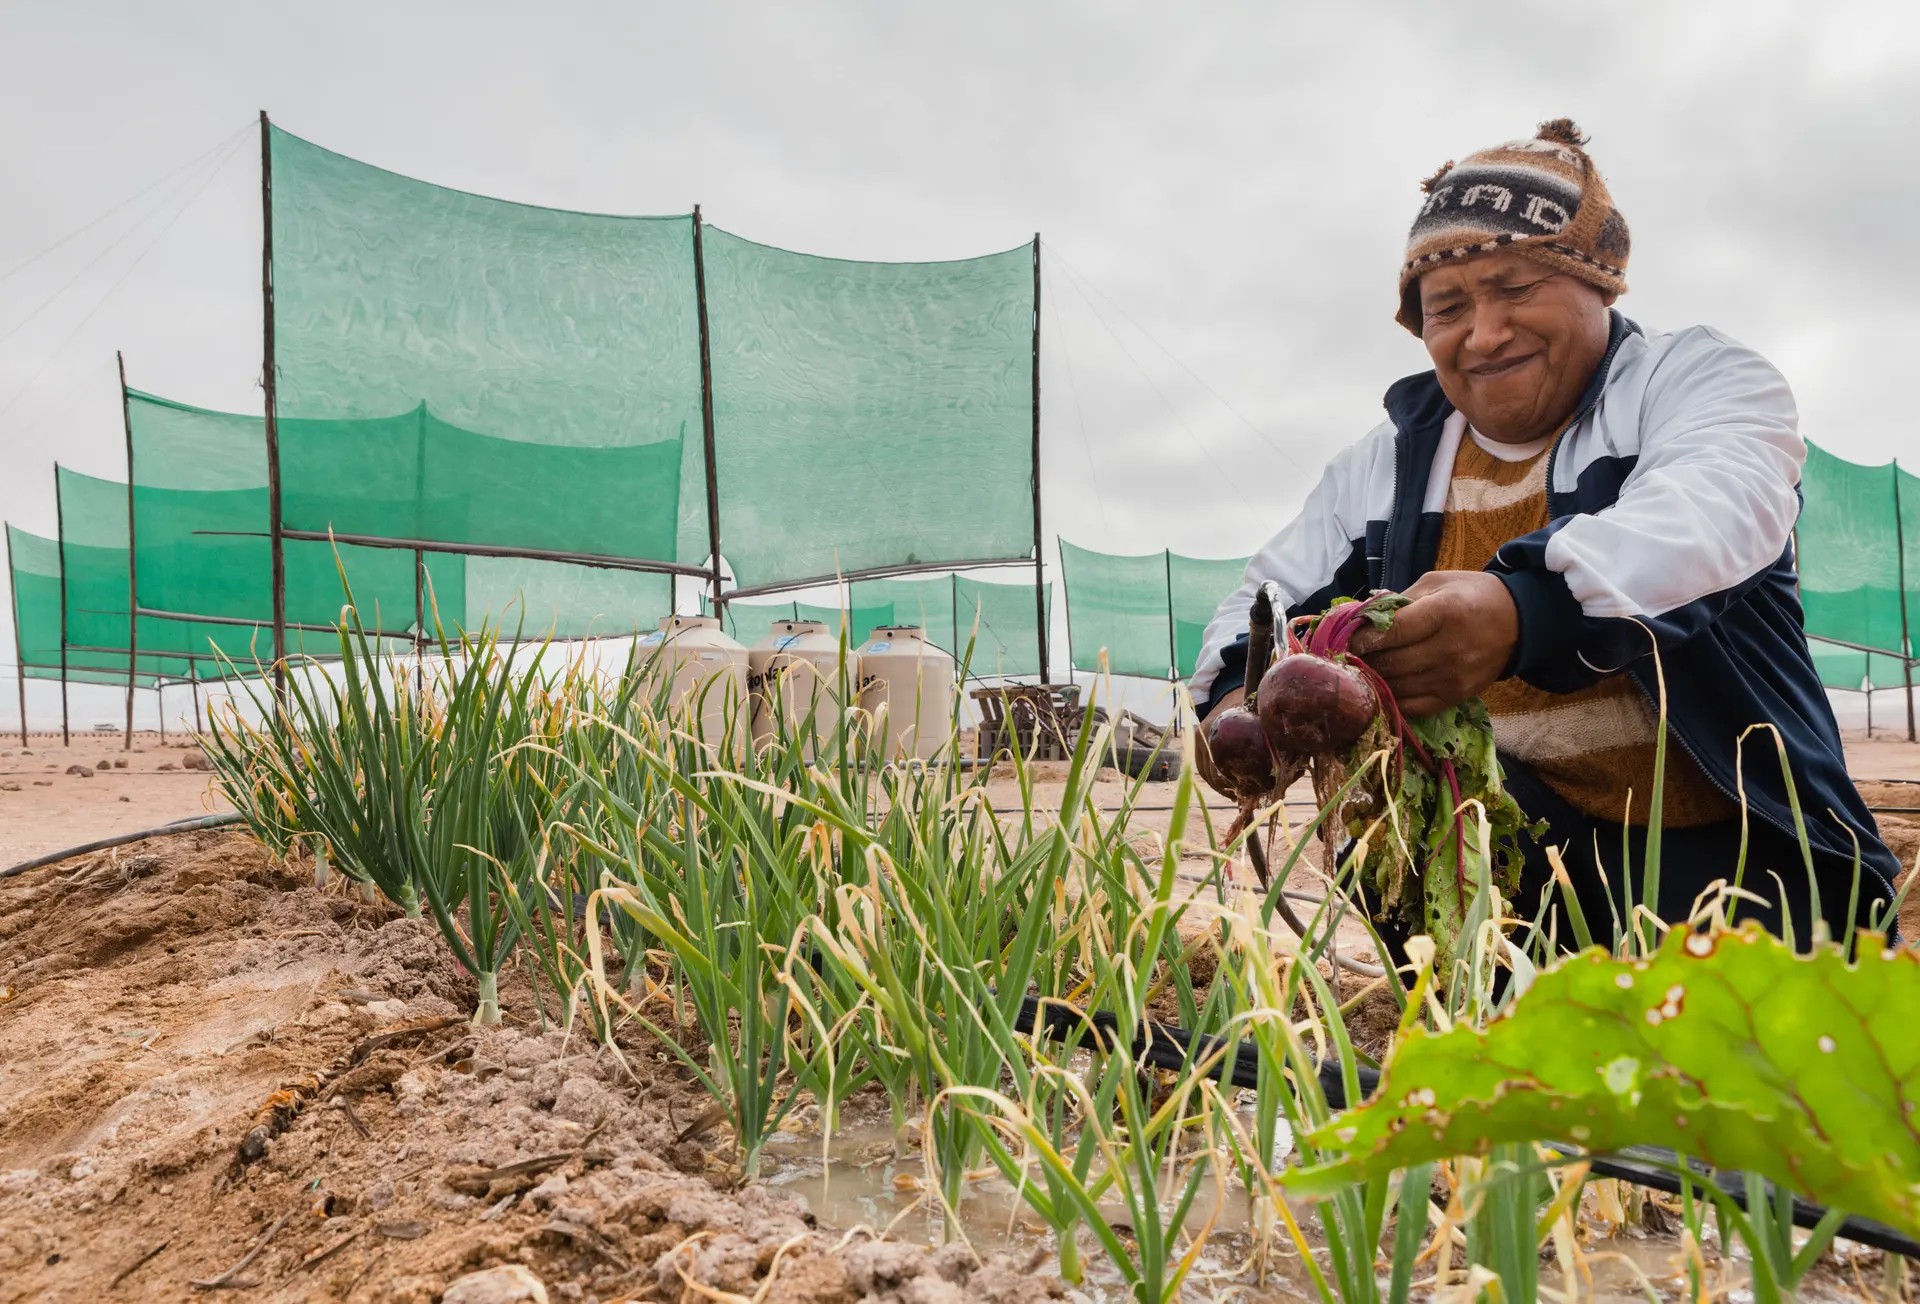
[(1542, 198)]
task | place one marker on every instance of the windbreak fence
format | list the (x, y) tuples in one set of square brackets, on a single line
[(201, 549), (466, 373), (33, 564), (1141, 615), (95, 610), (1858, 550)]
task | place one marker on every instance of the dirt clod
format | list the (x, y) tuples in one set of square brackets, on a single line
[(508, 1284)]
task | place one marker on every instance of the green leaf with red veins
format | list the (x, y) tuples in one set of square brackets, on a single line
[(1728, 1048), (1414, 860)]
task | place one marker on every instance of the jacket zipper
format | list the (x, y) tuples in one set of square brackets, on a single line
[(1393, 511)]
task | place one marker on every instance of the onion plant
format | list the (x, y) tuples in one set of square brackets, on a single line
[(806, 918), (479, 850), (343, 767)]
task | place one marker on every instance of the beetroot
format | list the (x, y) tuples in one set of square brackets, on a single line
[(1243, 763), (1316, 700), (1310, 705)]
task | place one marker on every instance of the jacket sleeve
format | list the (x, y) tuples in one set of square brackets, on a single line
[(1318, 556), (1704, 514)]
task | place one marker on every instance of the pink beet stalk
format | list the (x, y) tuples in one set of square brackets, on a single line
[(1331, 637)]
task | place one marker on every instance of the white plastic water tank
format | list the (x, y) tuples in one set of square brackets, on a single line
[(794, 677), (914, 681), (703, 670)]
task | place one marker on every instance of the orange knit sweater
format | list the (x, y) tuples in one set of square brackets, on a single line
[(1593, 747)]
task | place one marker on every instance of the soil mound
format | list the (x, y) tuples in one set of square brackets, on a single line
[(212, 1072)]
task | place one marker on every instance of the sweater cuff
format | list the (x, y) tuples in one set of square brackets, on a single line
[(1550, 620)]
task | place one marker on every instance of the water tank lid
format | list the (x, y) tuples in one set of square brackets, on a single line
[(800, 626), (895, 631), (689, 622)]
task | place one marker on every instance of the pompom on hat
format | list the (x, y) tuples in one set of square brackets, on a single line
[(1542, 198)]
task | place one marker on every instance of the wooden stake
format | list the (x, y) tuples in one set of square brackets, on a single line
[(133, 566), (706, 407), (1039, 538), (60, 526), (267, 382), (19, 655), (1906, 634)]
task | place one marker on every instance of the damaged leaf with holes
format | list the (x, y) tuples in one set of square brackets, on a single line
[(1729, 1048)]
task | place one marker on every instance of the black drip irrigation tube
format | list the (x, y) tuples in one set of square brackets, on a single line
[(1167, 1047), (121, 839)]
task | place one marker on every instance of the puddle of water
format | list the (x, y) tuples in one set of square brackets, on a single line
[(861, 1181)]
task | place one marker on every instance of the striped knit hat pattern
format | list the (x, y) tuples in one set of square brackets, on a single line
[(1541, 197)]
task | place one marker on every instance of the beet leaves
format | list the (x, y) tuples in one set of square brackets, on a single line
[(1430, 825)]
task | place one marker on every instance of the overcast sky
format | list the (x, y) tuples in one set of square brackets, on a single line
[(1229, 185)]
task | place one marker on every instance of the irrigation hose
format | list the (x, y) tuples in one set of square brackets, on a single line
[(120, 840), (1167, 1047)]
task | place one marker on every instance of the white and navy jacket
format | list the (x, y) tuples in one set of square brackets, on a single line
[(1672, 500)]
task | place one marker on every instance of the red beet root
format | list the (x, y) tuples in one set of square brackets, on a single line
[(1310, 706), (1242, 761)]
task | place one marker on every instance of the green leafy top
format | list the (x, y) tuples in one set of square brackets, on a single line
[(1727, 1047), (1427, 854)]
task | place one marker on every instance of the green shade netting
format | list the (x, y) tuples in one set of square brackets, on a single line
[(1197, 585), (860, 619), (869, 414), (96, 564), (34, 574), (104, 678), (1848, 556), (1118, 605), (924, 603), (200, 517), (562, 600), (507, 375), (1008, 640), (1909, 487), (1854, 670), (200, 536)]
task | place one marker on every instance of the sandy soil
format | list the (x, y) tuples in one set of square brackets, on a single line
[(43, 808), (160, 1000)]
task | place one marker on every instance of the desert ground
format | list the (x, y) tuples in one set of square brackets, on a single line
[(214, 1076)]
